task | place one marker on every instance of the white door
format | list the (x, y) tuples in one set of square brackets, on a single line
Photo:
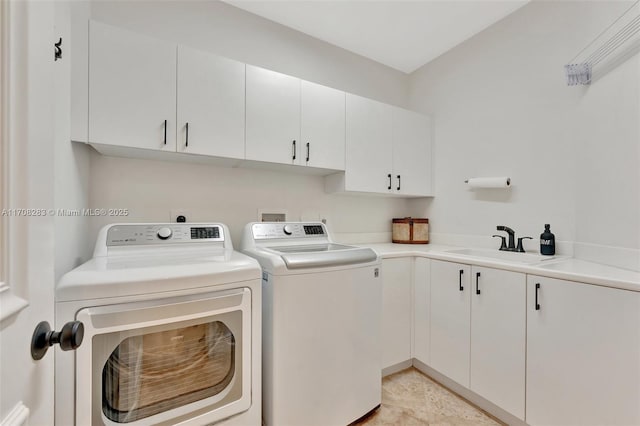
[(210, 104), (450, 316), (132, 89), (368, 146), (273, 117), (396, 311), (583, 354), (322, 126), (411, 153), (27, 267), (498, 327)]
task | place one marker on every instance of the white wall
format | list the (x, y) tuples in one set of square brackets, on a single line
[(71, 161), (607, 137), (501, 107), (151, 189)]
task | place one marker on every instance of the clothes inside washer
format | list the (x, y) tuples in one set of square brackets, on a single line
[(156, 372)]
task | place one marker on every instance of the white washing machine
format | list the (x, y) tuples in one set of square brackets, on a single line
[(172, 331), (321, 325)]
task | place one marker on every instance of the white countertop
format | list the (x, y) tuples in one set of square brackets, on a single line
[(559, 267)]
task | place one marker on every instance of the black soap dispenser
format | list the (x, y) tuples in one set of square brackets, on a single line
[(547, 242)]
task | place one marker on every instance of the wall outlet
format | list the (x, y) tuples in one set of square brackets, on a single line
[(175, 214)]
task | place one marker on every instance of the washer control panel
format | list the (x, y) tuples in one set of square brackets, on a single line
[(163, 233), (271, 230)]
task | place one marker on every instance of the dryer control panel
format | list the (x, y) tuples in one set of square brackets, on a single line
[(163, 233), (271, 230)]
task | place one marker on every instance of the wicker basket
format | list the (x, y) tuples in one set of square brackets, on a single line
[(408, 230)]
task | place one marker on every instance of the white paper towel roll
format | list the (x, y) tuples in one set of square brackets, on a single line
[(489, 182)]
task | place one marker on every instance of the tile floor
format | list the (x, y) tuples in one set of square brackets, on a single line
[(411, 398)]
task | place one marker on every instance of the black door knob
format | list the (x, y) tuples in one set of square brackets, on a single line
[(69, 338)]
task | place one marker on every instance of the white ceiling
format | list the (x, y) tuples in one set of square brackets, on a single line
[(401, 34)]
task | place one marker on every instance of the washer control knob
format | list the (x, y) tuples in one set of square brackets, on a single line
[(288, 229), (164, 233)]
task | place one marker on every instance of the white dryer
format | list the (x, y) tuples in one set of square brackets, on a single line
[(321, 325), (172, 331)]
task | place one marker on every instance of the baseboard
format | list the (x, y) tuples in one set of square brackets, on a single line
[(469, 395), (396, 367)]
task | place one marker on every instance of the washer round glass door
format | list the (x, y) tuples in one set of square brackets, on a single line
[(165, 360)]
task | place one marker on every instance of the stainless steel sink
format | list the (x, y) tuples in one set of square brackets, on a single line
[(504, 256)]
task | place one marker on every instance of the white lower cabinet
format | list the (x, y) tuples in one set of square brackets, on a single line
[(478, 326), (547, 351), (421, 309), (498, 327), (396, 311), (583, 354), (450, 317)]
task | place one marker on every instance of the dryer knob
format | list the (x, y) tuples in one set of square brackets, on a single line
[(164, 233), (288, 229)]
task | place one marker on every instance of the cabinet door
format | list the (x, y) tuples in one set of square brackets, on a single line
[(132, 89), (210, 104), (498, 327), (396, 311), (421, 314), (583, 354), (450, 316), (368, 145), (322, 126), (411, 153), (273, 117)]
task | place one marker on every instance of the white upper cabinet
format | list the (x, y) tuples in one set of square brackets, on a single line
[(132, 89), (291, 121), (273, 117), (322, 127), (153, 95), (388, 150), (368, 146), (411, 153), (150, 94), (210, 104)]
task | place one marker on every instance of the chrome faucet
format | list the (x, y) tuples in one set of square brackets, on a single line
[(512, 236)]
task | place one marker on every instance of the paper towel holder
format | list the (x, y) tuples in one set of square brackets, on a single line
[(489, 182)]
